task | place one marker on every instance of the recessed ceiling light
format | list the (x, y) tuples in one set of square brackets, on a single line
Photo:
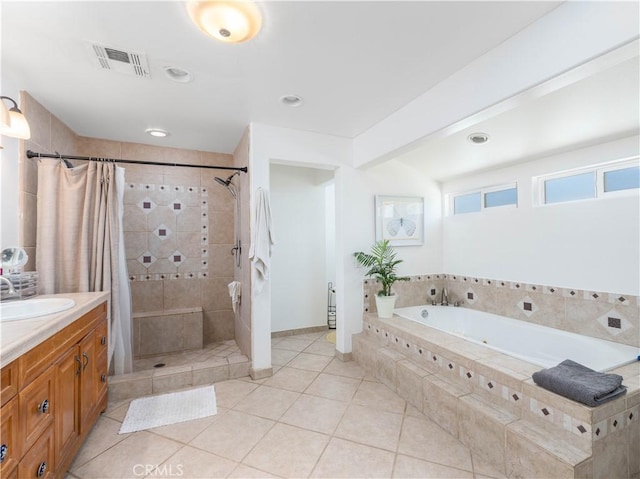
[(291, 100), (178, 74), (478, 138), (157, 132)]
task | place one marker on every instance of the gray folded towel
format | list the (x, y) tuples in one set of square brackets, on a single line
[(578, 382)]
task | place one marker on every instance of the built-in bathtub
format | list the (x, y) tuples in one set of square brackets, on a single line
[(487, 399), (530, 342)]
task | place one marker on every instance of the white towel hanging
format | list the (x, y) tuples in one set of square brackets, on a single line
[(260, 251), (235, 291)]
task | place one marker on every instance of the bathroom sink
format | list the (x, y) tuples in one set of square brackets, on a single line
[(33, 308)]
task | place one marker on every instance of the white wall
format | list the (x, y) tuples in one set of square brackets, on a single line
[(298, 263), (290, 147), (355, 193), (394, 178), (591, 245), (330, 230)]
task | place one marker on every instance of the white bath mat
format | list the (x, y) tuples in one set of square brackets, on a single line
[(155, 411)]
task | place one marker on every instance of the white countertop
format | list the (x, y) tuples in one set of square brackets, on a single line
[(19, 336)]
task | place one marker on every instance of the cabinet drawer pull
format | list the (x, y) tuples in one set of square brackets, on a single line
[(43, 407), (86, 363), (103, 340), (103, 378), (42, 468), (4, 450), (79, 365)]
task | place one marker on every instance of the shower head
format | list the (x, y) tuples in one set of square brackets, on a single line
[(227, 184), (227, 181)]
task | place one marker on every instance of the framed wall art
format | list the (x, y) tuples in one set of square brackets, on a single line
[(400, 219)]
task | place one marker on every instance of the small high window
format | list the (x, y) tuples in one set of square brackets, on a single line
[(622, 179), (570, 188), (489, 197), (589, 183), (469, 203), (504, 197)]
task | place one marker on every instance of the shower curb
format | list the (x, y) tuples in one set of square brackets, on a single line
[(168, 379)]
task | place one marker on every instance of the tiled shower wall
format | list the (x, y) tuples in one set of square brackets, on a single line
[(191, 263), (611, 316), (178, 232), (243, 270)]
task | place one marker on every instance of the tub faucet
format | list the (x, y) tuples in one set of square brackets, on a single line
[(445, 298), (12, 290)]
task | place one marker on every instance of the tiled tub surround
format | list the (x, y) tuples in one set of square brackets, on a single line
[(489, 401), (611, 316), (167, 332)]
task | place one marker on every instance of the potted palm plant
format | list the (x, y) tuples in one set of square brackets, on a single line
[(382, 265)]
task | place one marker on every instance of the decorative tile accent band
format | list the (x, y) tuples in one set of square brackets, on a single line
[(164, 277)]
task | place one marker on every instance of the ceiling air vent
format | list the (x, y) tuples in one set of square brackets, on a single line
[(129, 63)]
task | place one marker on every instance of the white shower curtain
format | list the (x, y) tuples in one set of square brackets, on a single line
[(79, 243)]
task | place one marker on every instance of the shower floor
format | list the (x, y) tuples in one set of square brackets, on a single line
[(216, 351), (169, 372)]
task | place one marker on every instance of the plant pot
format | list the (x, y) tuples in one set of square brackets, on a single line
[(385, 305)]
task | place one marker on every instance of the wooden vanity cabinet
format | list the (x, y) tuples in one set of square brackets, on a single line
[(68, 369), (39, 462), (9, 449), (100, 364), (36, 406), (60, 390), (8, 382)]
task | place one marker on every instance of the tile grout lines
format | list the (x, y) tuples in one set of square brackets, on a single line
[(299, 392)]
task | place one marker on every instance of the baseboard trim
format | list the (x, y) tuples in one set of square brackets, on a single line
[(293, 332), (344, 356), (260, 373)]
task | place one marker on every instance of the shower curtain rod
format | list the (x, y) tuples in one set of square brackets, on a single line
[(32, 154)]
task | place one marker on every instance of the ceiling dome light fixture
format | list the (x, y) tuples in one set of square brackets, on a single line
[(157, 132), (230, 21), (478, 138), (12, 122), (291, 100), (178, 74)]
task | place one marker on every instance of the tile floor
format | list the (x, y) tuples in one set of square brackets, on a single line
[(316, 417)]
